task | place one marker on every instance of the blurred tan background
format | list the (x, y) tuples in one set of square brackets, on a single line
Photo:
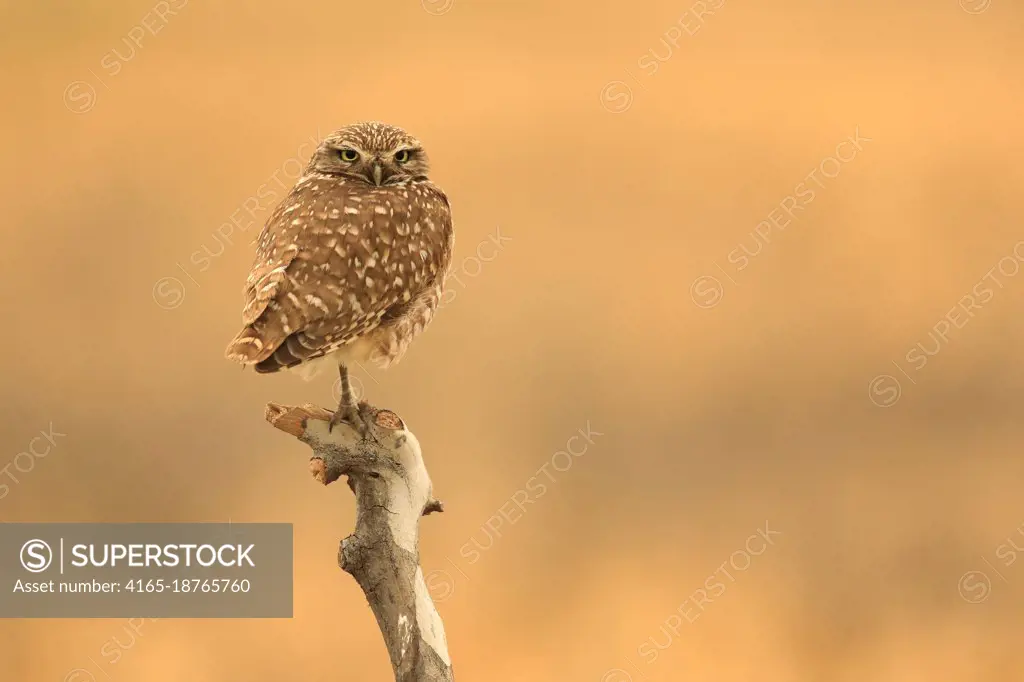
[(622, 172)]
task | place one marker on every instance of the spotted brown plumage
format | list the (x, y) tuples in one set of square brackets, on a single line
[(351, 265)]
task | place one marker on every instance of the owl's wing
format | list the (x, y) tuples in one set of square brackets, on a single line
[(333, 259)]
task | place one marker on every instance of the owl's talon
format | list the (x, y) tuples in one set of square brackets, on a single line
[(349, 414)]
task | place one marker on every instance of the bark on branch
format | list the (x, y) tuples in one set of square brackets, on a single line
[(386, 472)]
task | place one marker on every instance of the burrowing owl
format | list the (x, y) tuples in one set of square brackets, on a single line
[(351, 265)]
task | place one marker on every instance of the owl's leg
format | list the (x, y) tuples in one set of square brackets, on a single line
[(348, 409)]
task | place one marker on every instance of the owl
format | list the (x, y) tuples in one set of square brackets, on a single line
[(351, 265)]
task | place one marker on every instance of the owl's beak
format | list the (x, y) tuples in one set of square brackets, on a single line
[(378, 173)]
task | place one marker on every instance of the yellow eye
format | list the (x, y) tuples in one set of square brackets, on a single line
[(348, 155), (402, 155)]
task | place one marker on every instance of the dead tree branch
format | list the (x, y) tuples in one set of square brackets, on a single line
[(386, 472)]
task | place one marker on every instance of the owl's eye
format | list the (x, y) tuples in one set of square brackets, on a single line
[(402, 155), (348, 155)]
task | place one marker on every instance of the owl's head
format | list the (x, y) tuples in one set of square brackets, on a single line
[(374, 153)]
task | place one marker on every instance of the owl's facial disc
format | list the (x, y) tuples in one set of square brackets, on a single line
[(375, 164), (404, 162), (394, 166)]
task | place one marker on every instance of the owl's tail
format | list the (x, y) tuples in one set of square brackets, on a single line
[(249, 347)]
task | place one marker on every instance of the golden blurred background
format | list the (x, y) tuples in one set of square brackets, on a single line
[(636, 257)]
